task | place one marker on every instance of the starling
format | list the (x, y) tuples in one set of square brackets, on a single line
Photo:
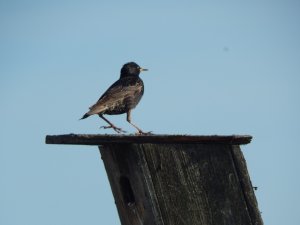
[(121, 97)]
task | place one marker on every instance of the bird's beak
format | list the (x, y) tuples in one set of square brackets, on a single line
[(142, 69)]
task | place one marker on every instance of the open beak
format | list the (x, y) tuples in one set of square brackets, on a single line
[(142, 69)]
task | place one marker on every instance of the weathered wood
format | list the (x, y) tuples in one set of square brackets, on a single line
[(99, 139), (244, 178), (175, 179), (178, 184)]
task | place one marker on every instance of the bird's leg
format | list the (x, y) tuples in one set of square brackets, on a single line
[(129, 121), (111, 125)]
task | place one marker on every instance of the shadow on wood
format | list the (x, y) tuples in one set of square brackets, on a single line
[(175, 179)]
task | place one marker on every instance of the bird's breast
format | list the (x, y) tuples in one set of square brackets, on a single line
[(128, 98)]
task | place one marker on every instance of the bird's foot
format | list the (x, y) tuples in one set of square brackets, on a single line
[(140, 132), (117, 129)]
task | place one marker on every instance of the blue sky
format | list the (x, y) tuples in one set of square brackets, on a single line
[(215, 67)]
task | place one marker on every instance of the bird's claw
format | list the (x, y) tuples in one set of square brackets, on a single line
[(140, 132), (117, 129)]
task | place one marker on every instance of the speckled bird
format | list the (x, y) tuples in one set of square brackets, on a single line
[(121, 97)]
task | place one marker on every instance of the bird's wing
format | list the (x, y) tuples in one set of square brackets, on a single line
[(116, 95)]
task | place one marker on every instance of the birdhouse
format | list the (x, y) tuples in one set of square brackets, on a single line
[(175, 179)]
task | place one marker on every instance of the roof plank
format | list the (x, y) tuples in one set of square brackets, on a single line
[(101, 139)]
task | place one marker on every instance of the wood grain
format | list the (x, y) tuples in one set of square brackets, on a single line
[(181, 184), (100, 139), (175, 179)]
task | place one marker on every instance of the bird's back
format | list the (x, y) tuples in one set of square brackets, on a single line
[(120, 97)]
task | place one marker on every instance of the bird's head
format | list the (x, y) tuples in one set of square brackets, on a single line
[(131, 69)]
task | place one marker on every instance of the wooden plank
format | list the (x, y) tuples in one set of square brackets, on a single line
[(246, 185), (180, 184), (99, 139)]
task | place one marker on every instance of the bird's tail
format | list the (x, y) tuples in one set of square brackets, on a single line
[(85, 116)]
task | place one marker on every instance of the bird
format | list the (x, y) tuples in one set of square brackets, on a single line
[(121, 97)]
